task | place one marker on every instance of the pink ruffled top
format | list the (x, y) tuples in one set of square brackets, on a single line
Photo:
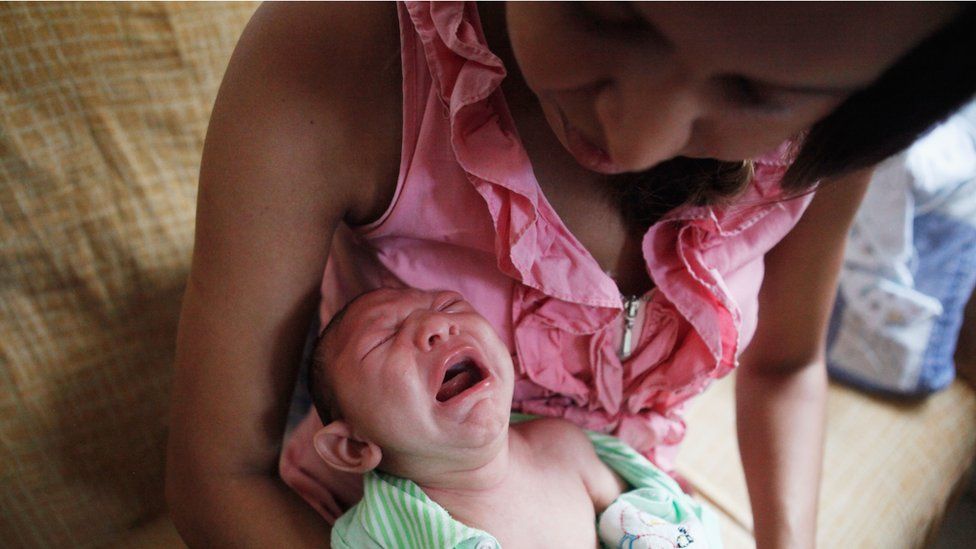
[(469, 215)]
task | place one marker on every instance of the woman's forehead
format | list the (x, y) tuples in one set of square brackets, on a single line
[(840, 44)]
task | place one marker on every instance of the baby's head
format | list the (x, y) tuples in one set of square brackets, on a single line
[(410, 381)]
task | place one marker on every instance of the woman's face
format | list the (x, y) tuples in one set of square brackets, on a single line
[(626, 85)]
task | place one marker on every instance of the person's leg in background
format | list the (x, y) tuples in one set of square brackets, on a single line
[(966, 344)]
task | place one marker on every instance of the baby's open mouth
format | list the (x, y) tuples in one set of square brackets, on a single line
[(459, 377)]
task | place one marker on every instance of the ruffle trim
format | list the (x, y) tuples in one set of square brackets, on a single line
[(530, 242)]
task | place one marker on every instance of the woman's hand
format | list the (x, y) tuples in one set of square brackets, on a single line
[(782, 381)]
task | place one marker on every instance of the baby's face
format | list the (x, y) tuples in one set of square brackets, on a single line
[(420, 371)]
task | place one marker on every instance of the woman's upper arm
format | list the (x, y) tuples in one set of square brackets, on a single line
[(800, 283), (286, 159)]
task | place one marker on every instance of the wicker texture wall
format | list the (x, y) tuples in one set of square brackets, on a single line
[(103, 111)]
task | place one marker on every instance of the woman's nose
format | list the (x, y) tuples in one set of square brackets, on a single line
[(434, 328), (647, 121)]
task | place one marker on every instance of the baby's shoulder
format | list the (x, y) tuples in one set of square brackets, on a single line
[(557, 440), (557, 443)]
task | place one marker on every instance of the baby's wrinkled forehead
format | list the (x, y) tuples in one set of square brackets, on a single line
[(369, 310), (382, 304)]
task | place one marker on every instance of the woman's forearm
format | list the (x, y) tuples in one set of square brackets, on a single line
[(247, 511), (781, 389), (780, 421)]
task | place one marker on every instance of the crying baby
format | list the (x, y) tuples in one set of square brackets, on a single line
[(415, 391)]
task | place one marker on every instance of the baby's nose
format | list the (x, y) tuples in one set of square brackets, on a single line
[(435, 328)]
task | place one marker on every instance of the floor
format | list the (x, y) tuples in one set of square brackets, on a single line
[(959, 530)]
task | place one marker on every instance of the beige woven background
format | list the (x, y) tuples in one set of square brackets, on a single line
[(103, 111)]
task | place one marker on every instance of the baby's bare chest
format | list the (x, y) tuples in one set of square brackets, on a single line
[(553, 509)]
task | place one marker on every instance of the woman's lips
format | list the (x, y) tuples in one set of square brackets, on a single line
[(589, 155)]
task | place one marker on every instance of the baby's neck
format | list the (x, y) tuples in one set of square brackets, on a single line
[(476, 479)]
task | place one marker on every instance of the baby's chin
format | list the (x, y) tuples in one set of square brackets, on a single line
[(485, 425), (460, 447)]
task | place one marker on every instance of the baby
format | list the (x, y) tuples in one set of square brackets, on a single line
[(415, 390)]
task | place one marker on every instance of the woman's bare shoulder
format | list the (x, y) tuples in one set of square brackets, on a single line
[(322, 83), (330, 46)]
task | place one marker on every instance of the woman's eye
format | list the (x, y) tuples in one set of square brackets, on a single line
[(742, 92)]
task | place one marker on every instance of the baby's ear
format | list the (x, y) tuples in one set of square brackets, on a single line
[(343, 450)]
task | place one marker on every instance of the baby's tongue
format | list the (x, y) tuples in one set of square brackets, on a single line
[(456, 385)]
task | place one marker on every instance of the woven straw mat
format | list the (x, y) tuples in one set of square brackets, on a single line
[(103, 110)]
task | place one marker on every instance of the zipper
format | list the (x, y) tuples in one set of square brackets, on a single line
[(631, 308)]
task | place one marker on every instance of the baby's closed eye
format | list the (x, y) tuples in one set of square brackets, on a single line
[(385, 337)]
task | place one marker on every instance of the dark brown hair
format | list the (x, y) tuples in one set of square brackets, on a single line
[(319, 389), (922, 88)]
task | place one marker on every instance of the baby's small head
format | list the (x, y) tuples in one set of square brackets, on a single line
[(412, 379)]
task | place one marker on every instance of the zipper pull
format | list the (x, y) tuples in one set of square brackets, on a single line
[(631, 304)]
